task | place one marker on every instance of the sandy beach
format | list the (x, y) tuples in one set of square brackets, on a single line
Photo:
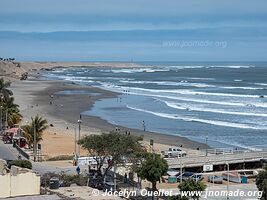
[(63, 110)]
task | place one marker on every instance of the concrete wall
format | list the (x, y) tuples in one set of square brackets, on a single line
[(19, 182), (5, 185), (3, 165)]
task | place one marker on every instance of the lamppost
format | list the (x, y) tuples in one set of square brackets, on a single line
[(79, 135), (181, 168), (6, 120), (206, 146), (34, 142), (1, 111), (1, 118), (115, 177), (75, 142), (227, 180)]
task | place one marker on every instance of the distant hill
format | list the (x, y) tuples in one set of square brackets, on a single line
[(14, 70), (11, 69)]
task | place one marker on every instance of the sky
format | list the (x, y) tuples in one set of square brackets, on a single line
[(140, 30)]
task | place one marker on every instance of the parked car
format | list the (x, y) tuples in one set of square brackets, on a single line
[(173, 152), (197, 177), (215, 179), (185, 176)]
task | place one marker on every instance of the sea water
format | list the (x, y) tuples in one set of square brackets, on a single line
[(223, 103)]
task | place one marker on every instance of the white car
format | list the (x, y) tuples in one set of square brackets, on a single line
[(173, 152)]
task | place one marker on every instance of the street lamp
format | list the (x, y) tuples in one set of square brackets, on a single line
[(206, 145), (6, 120), (75, 142), (1, 118), (79, 135), (34, 143), (227, 180), (1, 111), (181, 168)]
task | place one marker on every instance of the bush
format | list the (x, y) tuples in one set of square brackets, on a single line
[(21, 163), (261, 182), (65, 179), (61, 157), (191, 185)]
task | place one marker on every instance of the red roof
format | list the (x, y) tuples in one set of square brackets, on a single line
[(13, 130)]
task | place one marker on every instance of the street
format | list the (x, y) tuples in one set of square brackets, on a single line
[(7, 153)]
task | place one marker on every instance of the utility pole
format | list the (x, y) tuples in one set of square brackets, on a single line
[(181, 169), (79, 135), (227, 180), (1, 113), (206, 146), (6, 122), (115, 177), (75, 142), (34, 142)]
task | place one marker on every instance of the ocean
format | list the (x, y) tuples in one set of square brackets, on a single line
[(223, 104)]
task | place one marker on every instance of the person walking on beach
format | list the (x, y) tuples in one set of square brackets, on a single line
[(144, 125)]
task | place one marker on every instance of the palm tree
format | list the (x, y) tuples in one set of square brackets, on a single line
[(13, 118), (10, 111), (37, 123), (4, 85), (5, 94)]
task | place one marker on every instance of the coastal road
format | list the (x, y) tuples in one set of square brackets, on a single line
[(6, 153), (42, 168)]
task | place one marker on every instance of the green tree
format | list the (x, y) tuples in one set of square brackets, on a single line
[(21, 163), (261, 182), (4, 85), (191, 185), (152, 168), (37, 125), (113, 146), (10, 111), (14, 117)]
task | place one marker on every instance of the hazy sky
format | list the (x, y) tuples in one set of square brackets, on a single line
[(188, 30)]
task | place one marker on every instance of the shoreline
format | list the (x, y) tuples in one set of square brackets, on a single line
[(34, 95), (82, 103)]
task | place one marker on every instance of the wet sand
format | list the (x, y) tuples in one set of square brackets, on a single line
[(63, 110)]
